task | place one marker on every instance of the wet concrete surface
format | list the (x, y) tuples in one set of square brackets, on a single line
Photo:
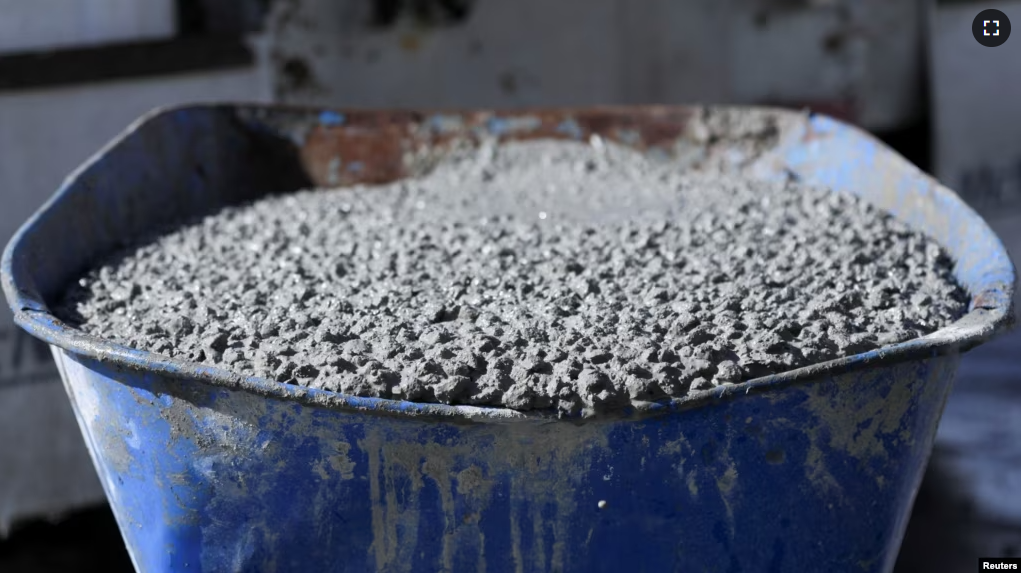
[(561, 276)]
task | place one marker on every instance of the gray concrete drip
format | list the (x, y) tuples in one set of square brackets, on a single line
[(538, 275)]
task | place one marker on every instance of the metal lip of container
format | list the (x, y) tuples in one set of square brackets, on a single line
[(807, 144)]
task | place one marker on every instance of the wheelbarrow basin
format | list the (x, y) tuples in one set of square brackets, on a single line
[(813, 469)]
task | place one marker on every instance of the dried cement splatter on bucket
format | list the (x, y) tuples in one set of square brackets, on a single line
[(541, 275)]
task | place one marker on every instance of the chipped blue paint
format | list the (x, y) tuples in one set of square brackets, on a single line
[(502, 125), (445, 123), (570, 128), (810, 470), (331, 118), (723, 485)]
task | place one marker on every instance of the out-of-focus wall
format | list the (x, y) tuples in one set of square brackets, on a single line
[(34, 24), (858, 59), (976, 118)]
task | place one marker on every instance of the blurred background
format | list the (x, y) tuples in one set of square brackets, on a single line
[(73, 73)]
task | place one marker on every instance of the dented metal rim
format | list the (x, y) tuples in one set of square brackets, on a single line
[(990, 312)]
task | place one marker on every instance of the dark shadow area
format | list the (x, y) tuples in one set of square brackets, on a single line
[(386, 13), (86, 541), (220, 17), (946, 532), (911, 142)]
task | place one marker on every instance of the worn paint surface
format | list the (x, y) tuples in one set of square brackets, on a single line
[(224, 480), (206, 470)]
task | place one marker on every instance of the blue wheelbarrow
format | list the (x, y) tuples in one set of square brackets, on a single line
[(810, 470)]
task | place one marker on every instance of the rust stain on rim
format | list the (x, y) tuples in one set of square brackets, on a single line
[(370, 146)]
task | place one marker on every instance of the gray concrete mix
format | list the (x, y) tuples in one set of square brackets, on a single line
[(543, 275)]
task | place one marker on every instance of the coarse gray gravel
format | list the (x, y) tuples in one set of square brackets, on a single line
[(539, 275)]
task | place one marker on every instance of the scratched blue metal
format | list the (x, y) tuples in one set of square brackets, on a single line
[(210, 471)]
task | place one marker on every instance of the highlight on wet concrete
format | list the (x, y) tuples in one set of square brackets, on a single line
[(544, 275)]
